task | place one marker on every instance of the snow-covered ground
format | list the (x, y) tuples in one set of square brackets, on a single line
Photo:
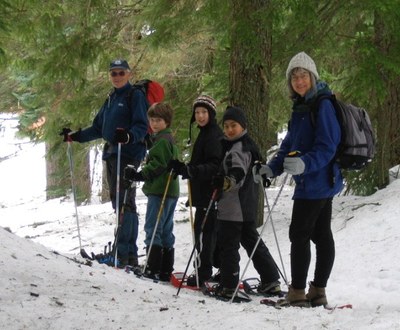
[(40, 289)]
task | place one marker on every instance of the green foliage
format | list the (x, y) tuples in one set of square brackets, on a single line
[(56, 55), (362, 183)]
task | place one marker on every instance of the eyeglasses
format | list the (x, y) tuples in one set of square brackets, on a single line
[(117, 73), (301, 76)]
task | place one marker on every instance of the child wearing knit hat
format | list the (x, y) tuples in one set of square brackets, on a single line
[(238, 208), (204, 163), (318, 179)]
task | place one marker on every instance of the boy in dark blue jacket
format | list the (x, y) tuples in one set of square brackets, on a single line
[(124, 122)]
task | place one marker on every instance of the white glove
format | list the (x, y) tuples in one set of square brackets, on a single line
[(293, 165), (259, 170)]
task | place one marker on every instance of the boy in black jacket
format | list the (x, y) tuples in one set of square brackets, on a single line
[(204, 163)]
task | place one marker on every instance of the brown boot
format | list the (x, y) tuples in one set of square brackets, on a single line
[(295, 297), (316, 296)]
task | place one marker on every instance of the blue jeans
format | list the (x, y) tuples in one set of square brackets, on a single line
[(128, 235), (164, 236)]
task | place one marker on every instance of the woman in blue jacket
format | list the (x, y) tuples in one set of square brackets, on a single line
[(307, 152)]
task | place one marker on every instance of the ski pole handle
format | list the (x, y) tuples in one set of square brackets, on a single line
[(266, 181)]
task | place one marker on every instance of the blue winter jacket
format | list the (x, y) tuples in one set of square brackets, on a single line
[(317, 144), (115, 114)]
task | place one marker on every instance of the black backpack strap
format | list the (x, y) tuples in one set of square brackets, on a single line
[(315, 107), (313, 114), (142, 86)]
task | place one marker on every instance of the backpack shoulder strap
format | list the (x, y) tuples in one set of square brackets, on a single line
[(140, 85), (315, 106)]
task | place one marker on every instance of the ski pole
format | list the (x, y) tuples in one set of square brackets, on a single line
[(73, 185), (274, 231), (117, 197), (193, 230), (120, 222), (212, 200), (259, 238), (158, 219)]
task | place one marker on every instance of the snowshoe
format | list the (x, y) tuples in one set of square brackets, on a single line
[(281, 303), (253, 286), (225, 294), (178, 281)]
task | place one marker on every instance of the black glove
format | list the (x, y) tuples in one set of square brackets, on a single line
[(179, 168), (68, 136), (139, 177), (131, 174), (176, 165), (217, 182), (121, 135), (266, 181)]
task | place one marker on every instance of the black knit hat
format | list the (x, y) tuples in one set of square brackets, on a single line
[(236, 114), (203, 101)]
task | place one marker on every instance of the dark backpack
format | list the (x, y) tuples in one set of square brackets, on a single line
[(357, 143)]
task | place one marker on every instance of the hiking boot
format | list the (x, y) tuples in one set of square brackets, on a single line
[(123, 261), (167, 264), (191, 281), (225, 293), (270, 289), (316, 296), (295, 298), (153, 262), (133, 260), (216, 277)]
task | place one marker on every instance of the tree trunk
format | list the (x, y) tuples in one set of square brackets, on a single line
[(250, 65), (388, 128), (105, 193), (250, 71), (58, 172)]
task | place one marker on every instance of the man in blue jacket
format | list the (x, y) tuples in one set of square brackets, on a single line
[(120, 121), (307, 152)]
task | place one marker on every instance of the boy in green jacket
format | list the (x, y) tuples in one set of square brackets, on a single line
[(160, 260)]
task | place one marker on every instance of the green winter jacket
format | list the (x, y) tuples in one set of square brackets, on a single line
[(155, 170)]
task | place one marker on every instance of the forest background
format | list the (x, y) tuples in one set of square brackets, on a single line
[(54, 58)]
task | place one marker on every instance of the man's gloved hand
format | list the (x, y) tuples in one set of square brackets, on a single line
[(68, 136), (121, 135), (293, 165), (259, 171)]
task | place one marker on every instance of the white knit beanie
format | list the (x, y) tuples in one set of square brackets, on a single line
[(302, 60)]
